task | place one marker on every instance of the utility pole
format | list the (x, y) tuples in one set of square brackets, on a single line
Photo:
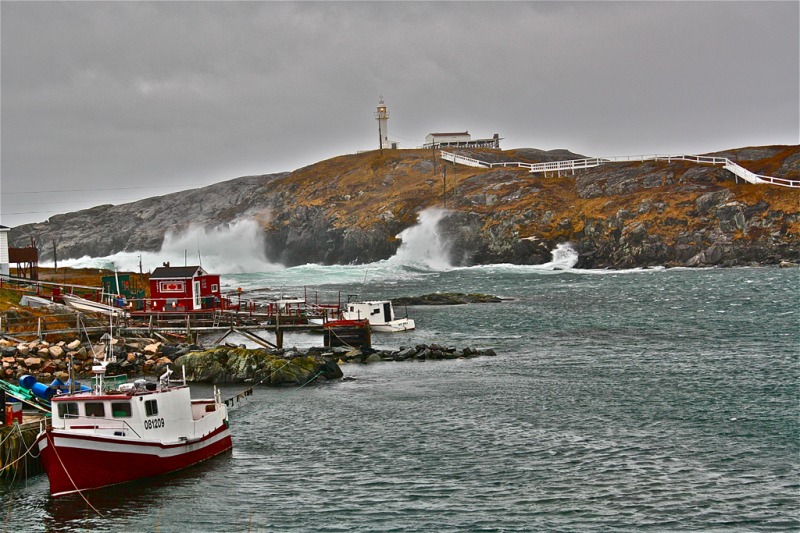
[(444, 187)]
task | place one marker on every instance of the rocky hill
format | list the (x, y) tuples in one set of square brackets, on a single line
[(351, 208)]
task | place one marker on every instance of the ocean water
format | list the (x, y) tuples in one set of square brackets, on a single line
[(635, 400)]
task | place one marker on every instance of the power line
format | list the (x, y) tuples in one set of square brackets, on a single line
[(104, 189)]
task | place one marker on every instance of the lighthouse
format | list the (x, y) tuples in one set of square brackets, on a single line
[(382, 116)]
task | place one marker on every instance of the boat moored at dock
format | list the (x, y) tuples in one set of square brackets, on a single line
[(380, 314), (108, 436)]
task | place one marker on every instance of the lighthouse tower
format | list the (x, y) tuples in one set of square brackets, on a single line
[(382, 116)]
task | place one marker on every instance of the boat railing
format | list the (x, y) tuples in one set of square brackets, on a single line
[(89, 423)]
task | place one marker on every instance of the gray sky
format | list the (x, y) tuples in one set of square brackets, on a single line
[(110, 102)]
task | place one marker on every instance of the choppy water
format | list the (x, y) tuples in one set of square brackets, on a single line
[(654, 399)]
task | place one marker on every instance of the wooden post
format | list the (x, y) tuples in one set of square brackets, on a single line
[(278, 332)]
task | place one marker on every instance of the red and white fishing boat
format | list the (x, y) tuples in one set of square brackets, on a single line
[(107, 436)]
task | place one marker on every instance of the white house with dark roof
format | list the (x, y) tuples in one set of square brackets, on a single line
[(459, 140)]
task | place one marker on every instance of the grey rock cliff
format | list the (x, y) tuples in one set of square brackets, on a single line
[(615, 216)]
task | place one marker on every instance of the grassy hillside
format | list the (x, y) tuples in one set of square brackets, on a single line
[(355, 190)]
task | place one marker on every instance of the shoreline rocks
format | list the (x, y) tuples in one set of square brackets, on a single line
[(446, 298), (222, 364)]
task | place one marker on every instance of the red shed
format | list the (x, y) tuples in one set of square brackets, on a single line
[(188, 288)]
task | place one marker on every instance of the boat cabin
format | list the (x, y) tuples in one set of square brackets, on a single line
[(380, 315), (188, 288), (139, 412), (377, 312)]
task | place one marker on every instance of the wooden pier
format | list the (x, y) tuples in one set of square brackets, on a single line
[(18, 458), (181, 325)]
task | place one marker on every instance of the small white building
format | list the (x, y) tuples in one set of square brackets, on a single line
[(4, 262), (459, 140)]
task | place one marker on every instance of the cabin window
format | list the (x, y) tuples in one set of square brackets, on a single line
[(95, 409), (121, 409), (375, 311), (214, 287), (67, 409), (151, 407)]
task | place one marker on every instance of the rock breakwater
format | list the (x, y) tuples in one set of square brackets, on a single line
[(222, 364)]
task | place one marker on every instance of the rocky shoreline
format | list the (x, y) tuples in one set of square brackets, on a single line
[(446, 298), (223, 364), (635, 214)]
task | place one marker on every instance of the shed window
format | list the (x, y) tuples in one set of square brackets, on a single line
[(67, 409), (95, 409), (121, 409), (151, 407)]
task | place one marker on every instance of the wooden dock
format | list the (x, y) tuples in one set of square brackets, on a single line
[(186, 326), (18, 458)]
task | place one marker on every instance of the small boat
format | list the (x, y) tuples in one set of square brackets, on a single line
[(82, 304), (380, 314), (106, 436), (35, 301)]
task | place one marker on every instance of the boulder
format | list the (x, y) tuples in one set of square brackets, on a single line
[(79, 354), (33, 362), (152, 348), (56, 351), (373, 358), (74, 345)]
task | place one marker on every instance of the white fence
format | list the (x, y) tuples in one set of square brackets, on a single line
[(576, 164)]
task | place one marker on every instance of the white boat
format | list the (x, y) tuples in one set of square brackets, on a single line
[(104, 437), (82, 304), (35, 301), (380, 314)]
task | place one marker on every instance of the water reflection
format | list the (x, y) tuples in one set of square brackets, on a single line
[(145, 504)]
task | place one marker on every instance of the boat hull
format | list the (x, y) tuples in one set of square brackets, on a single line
[(394, 326), (76, 462), (81, 304)]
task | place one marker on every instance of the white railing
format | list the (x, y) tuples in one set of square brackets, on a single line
[(577, 164)]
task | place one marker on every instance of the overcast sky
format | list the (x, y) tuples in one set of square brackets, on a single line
[(110, 102)]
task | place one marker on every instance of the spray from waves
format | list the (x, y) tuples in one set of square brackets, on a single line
[(423, 244), (564, 258), (225, 250), (423, 252)]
